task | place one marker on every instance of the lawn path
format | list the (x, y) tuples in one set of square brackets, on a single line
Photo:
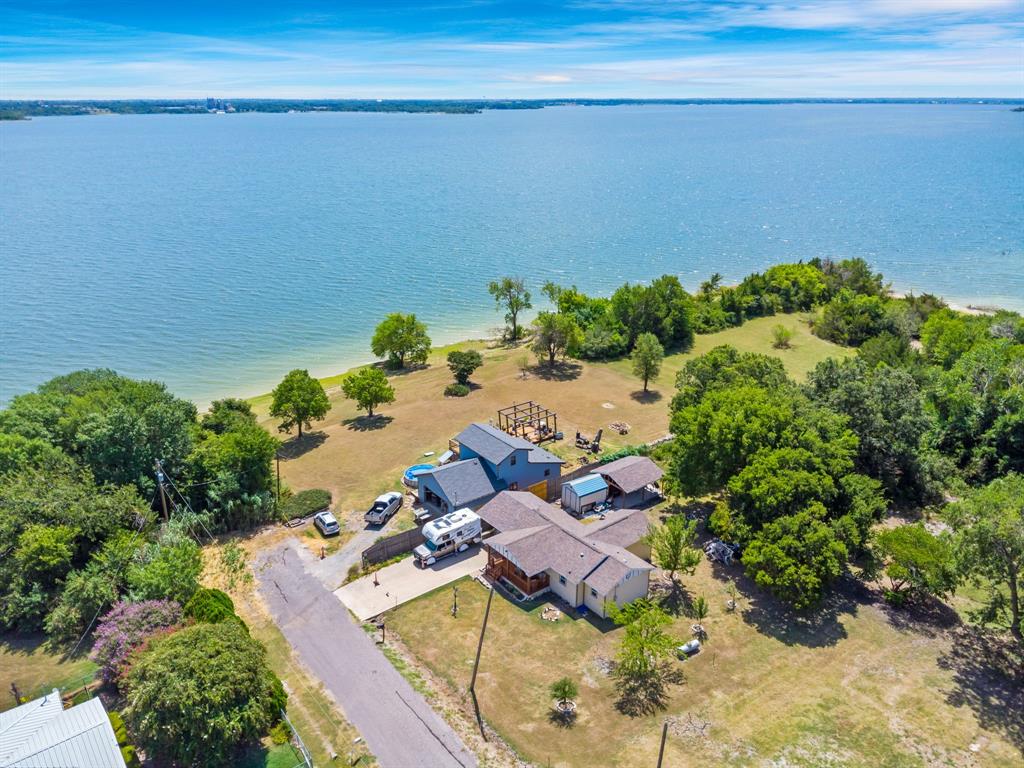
[(399, 727)]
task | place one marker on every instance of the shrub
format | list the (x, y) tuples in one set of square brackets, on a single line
[(456, 390), (781, 337), (209, 605), (125, 628), (280, 733), (196, 696), (305, 503)]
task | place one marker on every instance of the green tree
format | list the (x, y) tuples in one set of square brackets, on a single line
[(402, 338), (699, 609), (948, 334), (199, 694), (115, 426), (672, 545), (369, 387), (166, 570), (780, 482), (18, 452), (988, 538), (228, 414), (564, 690), (645, 644), (724, 367), (796, 557), (463, 363), (854, 275), (555, 335), (298, 400), (44, 552), (781, 336), (719, 436), (851, 319), (510, 294), (647, 357), (885, 409), (915, 562)]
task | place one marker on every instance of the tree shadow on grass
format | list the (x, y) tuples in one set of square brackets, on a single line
[(988, 677), (817, 627), (693, 510), (562, 370), (646, 398), (368, 423), (927, 616), (671, 596), (640, 696), (299, 446), (562, 719)]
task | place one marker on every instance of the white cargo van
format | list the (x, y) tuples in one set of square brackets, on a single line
[(447, 535)]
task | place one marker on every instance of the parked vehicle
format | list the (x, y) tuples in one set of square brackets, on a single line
[(688, 649), (326, 523), (384, 506), (447, 535)]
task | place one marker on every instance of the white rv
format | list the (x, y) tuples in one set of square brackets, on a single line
[(447, 535)]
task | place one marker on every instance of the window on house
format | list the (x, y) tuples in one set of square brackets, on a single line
[(513, 462), (513, 486), (547, 473), (561, 579), (593, 592)]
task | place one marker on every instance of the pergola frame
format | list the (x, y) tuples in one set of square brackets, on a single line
[(528, 420)]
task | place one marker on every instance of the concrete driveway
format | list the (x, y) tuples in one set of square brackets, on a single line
[(405, 581)]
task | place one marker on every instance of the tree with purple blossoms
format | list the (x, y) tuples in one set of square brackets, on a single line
[(125, 628)]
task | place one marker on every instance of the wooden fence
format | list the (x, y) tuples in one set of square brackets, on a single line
[(392, 546)]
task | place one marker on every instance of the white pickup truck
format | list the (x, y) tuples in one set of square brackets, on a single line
[(384, 506)]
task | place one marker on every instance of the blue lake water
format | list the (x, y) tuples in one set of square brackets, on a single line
[(216, 252)]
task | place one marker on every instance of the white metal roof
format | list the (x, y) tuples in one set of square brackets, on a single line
[(42, 734)]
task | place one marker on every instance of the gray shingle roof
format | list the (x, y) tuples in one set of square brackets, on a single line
[(622, 530), (463, 482), (42, 734), (535, 536), (496, 446), (631, 473)]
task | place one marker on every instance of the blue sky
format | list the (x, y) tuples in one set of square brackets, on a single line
[(499, 49)]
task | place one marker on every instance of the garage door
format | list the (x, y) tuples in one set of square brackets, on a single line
[(540, 489)]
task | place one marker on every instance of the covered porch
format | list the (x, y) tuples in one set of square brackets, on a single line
[(499, 568)]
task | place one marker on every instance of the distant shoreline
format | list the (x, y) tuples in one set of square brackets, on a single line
[(27, 108)]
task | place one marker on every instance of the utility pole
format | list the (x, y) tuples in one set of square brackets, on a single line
[(163, 491)]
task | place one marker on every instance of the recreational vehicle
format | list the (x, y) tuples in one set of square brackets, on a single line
[(447, 535)]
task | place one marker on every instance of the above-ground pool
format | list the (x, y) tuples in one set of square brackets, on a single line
[(409, 478)]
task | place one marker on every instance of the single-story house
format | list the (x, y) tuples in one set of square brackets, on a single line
[(489, 461), (579, 496), (537, 547), (42, 734), (630, 480)]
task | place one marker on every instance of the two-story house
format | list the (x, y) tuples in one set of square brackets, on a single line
[(489, 461)]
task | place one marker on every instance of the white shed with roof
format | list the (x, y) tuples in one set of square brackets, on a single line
[(580, 495)]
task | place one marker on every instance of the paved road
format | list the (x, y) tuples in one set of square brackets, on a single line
[(404, 581), (399, 726)]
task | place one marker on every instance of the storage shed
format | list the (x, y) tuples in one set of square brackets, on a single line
[(580, 495)]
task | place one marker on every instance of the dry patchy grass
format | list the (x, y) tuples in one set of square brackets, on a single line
[(30, 662), (852, 688), (356, 463)]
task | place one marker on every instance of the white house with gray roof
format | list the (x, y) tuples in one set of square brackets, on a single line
[(489, 461), (42, 734), (538, 548)]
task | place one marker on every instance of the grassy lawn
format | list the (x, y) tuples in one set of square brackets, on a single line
[(356, 458), (856, 688), (27, 661)]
